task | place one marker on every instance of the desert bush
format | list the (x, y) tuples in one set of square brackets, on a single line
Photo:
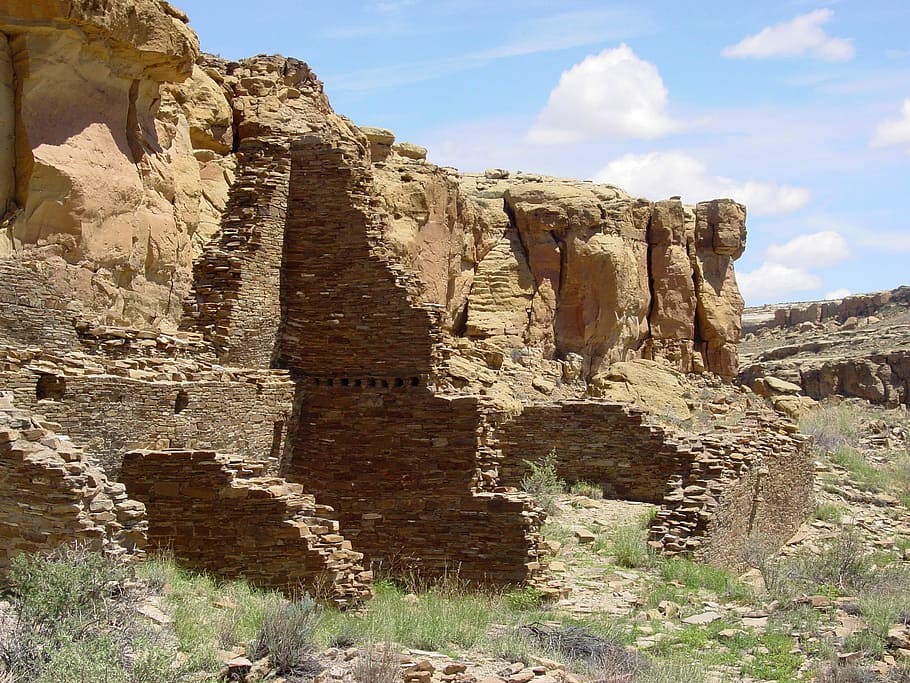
[(543, 482), (833, 426), (605, 656), (74, 619), (829, 512), (287, 636), (833, 672), (524, 599), (378, 664)]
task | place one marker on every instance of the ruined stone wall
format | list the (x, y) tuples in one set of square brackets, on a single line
[(217, 513), (372, 438), (397, 464), (718, 492), (234, 302), (245, 411), (54, 496), (350, 310), (31, 313), (605, 443)]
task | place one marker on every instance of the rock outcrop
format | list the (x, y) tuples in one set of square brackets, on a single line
[(855, 347), (570, 267)]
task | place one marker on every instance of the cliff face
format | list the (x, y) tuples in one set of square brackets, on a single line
[(570, 267), (126, 157)]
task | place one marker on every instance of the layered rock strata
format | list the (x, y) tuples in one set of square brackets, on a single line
[(217, 513), (54, 495)]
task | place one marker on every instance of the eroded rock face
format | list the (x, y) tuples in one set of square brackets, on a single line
[(570, 267), (97, 170)]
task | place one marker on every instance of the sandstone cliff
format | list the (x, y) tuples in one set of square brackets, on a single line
[(114, 204), (569, 267)]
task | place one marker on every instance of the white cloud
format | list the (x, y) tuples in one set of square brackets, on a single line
[(795, 37), (838, 294), (891, 241), (774, 281), (658, 175), (611, 94), (818, 250), (893, 132)]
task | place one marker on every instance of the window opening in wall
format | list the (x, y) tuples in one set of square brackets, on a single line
[(415, 381), (181, 402), (277, 432), (399, 382), (50, 387)]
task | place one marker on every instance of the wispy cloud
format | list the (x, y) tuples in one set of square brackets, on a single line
[(611, 94), (800, 35), (658, 175), (773, 281), (555, 32)]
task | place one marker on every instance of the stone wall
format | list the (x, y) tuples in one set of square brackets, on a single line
[(56, 496), (217, 513), (373, 438), (31, 313), (606, 443), (719, 492), (398, 463), (153, 406)]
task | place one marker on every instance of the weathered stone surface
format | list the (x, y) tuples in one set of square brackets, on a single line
[(60, 496), (646, 383), (264, 529)]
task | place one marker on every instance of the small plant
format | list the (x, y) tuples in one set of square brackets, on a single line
[(829, 512), (543, 482), (524, 599), (378, 664), (833, 426), (630, 547), (587, 489), (287, 637)]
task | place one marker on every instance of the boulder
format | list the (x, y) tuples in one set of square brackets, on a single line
[(646, 383)]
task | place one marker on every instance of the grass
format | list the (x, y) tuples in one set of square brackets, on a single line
[(694, 577), (588, 489)]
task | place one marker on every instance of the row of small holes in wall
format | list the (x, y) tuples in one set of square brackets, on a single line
[(372, 382)]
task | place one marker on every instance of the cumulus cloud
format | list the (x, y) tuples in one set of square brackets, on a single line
[(658, 175), (818, 250), (895, 131), (838, 294), (611, 94), (795, 37), (786, 268), (775, 281)]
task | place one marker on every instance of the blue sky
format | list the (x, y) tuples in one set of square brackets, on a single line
[(801, 110)]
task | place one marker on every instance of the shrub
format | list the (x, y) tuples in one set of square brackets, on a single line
[(524, 599), (379, 664), (543, 482), (288, 637), (630, 547), (74, 619), (833, 426)]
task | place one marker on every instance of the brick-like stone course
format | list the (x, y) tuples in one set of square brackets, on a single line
[(718, 491), (31, 314), (374, 437), (218, 513), (112, 407), (54, 495)]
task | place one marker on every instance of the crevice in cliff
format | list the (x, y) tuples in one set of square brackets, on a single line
[(22, 152), (652, 287), (513, 225), (133, 130)]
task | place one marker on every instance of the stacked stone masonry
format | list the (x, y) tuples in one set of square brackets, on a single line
[(373, 438), (114, 406), (53, 495), (217, 513), (718, 492)]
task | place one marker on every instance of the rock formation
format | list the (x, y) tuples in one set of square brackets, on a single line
[(857, 347)]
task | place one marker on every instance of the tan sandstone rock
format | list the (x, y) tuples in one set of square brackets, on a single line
[(646, 383)]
